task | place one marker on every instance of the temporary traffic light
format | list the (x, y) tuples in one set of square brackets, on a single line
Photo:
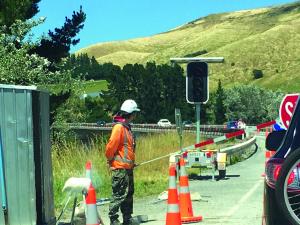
[(197, 82)]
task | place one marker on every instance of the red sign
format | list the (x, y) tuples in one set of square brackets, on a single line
[(287, 108)]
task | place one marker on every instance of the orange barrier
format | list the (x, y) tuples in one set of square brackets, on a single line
[(268, 155), (91, 207), (173, 213), (185, 202)]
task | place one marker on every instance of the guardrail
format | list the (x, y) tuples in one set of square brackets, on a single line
[(215, 130), (238, 149)]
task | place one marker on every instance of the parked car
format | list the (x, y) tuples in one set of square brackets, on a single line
[(164, 123), (187, 123), (282, 186), (101, 123)]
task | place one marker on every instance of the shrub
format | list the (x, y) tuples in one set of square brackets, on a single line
[(257, 74)]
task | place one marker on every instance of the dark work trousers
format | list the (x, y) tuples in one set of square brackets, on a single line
[(122, 194)]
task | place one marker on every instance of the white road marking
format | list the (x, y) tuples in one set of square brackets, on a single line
[(241, 201)]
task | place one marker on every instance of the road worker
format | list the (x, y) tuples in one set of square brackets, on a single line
[(120, 154)]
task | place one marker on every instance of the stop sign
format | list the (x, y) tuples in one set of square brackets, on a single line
[(287, 108)]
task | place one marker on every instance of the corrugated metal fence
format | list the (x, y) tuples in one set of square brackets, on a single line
[(27, 193)]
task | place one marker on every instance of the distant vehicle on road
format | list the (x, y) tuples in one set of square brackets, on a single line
[(187, 123), (232, 125), (101, 123), (241, 124), (164, 123), (282, 186)]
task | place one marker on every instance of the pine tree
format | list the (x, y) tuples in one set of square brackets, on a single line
[(12, 10), (58, 45), (219, 105)]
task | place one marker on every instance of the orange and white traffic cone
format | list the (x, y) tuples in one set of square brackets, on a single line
[(88, 169), (91, 207), (173, 213), (185, 202), (268, 155), (258, 132), (267, 132)]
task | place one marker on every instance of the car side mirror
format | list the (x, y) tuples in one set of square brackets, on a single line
[(274, 140)]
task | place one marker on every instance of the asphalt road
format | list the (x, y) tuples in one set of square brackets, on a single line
[(235, 200)]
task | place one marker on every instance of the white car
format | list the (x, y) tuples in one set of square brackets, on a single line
[(164, 123)]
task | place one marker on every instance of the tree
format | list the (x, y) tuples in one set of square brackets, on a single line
[(150, 96), (257, 74), (58, 44), (94, 109), (13, 10), (219, 107), (252, 104), (158, 89), (19, 67)]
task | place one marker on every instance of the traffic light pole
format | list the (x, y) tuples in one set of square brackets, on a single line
[(197, 82), (197, 122)]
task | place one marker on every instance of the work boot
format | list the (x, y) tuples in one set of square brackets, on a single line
[(131, 221), (115, 222)]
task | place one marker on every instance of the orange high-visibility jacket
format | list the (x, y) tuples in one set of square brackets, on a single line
[(120, 147)]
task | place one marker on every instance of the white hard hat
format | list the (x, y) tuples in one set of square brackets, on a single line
[(129, 106)]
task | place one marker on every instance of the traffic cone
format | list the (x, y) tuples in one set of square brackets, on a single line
[(267, 132), (268, 155), (88, 169), (173, 213), (185, 202), (258, 132), (91, 207)]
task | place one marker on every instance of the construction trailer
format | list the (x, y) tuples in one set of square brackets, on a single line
[(26, 181)]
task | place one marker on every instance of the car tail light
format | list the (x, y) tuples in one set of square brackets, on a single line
[(276, 174), (273, 168), (291, 178), (276, 171)]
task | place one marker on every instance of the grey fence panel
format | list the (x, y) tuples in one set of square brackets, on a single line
[(2, 184), (28, 189), (17, 127), (42, 149)]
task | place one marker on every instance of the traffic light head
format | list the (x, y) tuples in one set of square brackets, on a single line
[(197, 82)]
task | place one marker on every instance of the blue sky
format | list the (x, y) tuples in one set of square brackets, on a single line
[(112, 20)]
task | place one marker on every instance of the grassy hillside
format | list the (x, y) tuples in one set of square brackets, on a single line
[(265, 39)]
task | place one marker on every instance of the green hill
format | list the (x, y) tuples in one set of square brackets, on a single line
[(266, 39)]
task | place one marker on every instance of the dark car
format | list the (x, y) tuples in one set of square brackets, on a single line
[(232, 125), (187, 123), (282, 194), (101, 123)]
